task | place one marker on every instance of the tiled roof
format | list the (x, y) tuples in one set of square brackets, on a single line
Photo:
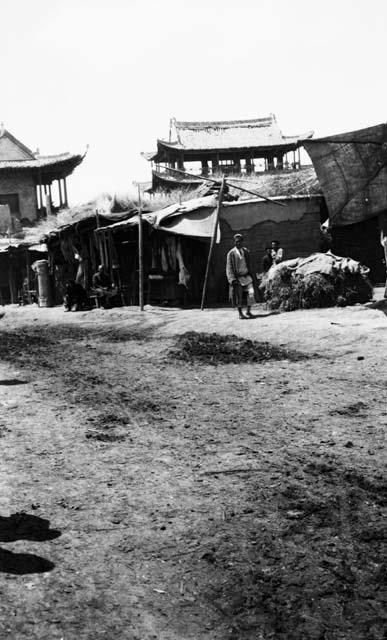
[(41, 162), (229, 134)]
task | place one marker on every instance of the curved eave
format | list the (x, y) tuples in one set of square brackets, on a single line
[(62, 168), (287, 143), (40, 168)]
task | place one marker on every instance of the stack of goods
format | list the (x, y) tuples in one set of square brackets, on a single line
[(321, 280)]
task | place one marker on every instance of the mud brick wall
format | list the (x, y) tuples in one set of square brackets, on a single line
[(296, 226), (24, 186)]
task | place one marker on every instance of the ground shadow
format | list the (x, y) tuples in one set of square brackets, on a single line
[(23, 526), (10, 382), (23, 563), (255, 316)]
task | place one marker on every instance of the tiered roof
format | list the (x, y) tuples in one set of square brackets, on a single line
[(258, 133)]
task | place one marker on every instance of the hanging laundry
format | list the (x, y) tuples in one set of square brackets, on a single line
[(184, 274), (171, 244)]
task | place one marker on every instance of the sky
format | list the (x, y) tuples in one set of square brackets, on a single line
[(111, 73)]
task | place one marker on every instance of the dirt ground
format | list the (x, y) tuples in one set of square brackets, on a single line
[(147, 497)]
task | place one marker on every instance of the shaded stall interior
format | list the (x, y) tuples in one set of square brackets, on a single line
[(17, 279), (76, 252), (174, 265)]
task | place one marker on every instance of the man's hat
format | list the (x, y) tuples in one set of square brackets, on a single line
[(237, 236)]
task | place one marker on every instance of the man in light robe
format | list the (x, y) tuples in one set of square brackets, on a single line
[(240, 277)]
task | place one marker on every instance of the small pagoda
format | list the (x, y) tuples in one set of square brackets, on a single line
[(28, 179), (232, 146)]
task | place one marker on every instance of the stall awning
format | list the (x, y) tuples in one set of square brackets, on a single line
[(352, 171), (195, 218)]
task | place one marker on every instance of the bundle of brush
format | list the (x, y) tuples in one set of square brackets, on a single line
[(321, 280)]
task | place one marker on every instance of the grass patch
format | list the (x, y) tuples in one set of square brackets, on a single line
[(212, 348)]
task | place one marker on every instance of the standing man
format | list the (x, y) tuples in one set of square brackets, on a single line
[(240, 277), (277, 253)]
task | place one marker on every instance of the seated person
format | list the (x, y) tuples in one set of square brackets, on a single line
[(102, 286), (75, 297), (277, 253), (267, 260)]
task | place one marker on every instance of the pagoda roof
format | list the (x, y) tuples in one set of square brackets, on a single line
[(21, 158), (229, 134)]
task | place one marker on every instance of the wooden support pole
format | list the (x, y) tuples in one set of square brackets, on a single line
[(216, 222), (28, 276), (48, 204), (66, 202), (140, 254), (12, 278), (40, 197), (60, 194)]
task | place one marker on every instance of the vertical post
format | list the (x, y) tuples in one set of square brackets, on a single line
[(60, 194), (299, 158), (216, 221), (140, 254), (11, 278), (28, 276), (45, 199), (48, 204), (66, 202), (40, 198)]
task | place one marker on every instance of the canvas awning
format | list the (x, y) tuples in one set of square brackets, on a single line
[(194, 218), (352, 171)]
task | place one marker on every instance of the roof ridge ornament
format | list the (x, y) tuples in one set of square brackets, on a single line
[(2, 129)]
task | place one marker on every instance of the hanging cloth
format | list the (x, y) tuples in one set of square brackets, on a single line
[(184, 274), (171, 245), (164, 260)]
